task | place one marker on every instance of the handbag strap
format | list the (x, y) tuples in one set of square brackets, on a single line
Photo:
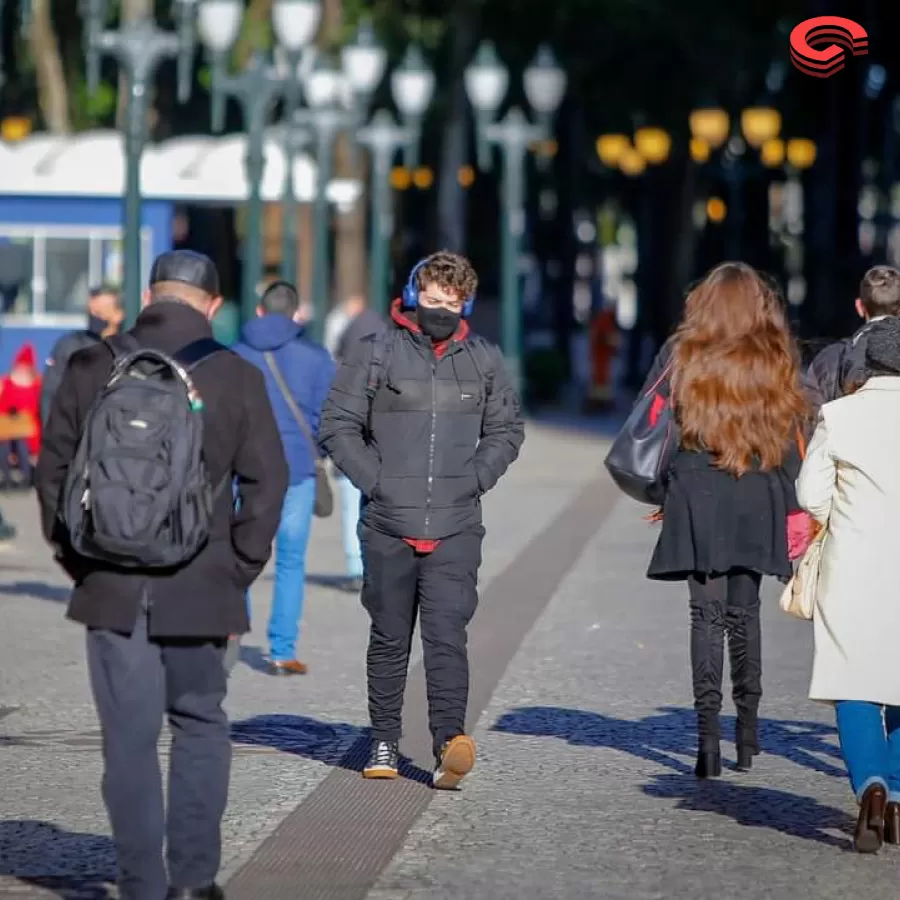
[(801, 443), (292, 404)]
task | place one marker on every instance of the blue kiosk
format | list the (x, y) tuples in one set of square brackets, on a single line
[(61, 217)]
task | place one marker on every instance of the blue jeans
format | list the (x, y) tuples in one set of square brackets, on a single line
[(351, 500), (870, 744), (290, 569)]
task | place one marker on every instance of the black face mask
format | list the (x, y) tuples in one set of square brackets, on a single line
[(97, 325), (438, 323)]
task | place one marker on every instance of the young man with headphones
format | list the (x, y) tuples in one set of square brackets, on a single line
[(424, 420)]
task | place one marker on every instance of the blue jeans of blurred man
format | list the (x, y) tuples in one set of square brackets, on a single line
[(291, 542), (351, 500)]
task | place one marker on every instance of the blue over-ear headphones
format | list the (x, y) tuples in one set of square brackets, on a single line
[(411, 291)]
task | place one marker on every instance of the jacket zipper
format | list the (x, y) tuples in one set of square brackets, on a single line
[(431, 449)]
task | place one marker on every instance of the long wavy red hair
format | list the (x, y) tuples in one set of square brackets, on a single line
[(735, 372)]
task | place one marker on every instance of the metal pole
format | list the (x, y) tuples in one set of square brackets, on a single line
[(325, 138), (252, 268), (289, 194), (513, 229), (381, 226), (136, 115)]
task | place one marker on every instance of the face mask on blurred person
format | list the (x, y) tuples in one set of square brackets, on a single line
[(438, 323)]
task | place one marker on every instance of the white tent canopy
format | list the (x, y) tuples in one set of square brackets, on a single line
[(188, 169)]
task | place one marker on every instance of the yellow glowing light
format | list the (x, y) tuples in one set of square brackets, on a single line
[(631, 163), (423, 178), (401, 178), (710, 124), (700, 150), (801, 152), (653, 144), (716, 209), (611, 148), (760, 124), (466, 176), (15, 128), (772, 153)]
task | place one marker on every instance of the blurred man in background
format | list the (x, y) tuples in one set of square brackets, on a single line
[(105, 316), (359, 322), (298, 375)]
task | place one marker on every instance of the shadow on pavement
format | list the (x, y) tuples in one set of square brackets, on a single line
[(756, 807), (39, 590), (671, 734), (30, 850), (335, 744)]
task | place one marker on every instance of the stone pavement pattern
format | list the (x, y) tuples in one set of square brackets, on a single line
[(584, 784)]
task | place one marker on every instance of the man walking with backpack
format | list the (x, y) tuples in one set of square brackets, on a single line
[(297, 375), (145, 435), (424, 421)]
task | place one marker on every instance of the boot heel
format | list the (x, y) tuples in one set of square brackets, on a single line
[(892, 824), (709, 764), (745, 756)]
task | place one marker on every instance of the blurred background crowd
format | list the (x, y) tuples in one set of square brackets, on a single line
[(592, 157)]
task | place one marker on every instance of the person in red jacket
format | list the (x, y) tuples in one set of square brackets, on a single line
[(20, 394)]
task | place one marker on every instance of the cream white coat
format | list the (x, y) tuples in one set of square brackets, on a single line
[(850, 481)]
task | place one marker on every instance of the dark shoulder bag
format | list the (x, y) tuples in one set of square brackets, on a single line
[(324, 505), (639, 458)]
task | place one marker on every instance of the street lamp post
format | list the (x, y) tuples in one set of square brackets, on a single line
[(412, 86), (139, 47), (514, 135), (257, 89), (486, 81), (383, 137)]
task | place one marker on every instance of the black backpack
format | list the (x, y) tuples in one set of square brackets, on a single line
[(137, 493)]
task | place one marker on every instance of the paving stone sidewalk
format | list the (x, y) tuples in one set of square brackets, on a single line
[(585, 789), (289, 732)]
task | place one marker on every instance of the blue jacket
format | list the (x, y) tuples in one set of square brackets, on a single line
[(308, 370)]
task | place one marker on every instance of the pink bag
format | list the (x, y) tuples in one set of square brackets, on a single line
[(801, 526)]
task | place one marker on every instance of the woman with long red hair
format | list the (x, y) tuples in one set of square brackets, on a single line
[(733, 372)]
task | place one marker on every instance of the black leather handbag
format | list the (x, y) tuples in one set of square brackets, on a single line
[(639, 458)]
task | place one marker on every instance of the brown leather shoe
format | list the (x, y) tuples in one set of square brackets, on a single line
[(869, 835), (892, 824), (288, 667)]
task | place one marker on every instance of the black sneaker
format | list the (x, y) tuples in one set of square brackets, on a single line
[(384, 760)]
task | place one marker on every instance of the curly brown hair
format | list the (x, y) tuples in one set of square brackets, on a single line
[(735, 372), (451, 272)]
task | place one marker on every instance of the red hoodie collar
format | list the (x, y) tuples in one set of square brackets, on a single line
[(440, 347)]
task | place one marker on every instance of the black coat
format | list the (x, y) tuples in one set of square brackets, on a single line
[(714, 522), (838, 367), (441, 433), (205, 598), (62, 352)]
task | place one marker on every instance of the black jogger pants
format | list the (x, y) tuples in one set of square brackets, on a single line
[(719, 605), (441, 587)]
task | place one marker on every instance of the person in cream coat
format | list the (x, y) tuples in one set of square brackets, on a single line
[(850, 483)]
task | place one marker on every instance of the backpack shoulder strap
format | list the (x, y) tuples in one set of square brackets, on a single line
[(483, 355), (382, 347), (191, 355)]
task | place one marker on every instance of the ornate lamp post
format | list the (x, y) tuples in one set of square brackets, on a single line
[(139, 47), (257, 89), (383, 137), (412, 86), (486, 82)]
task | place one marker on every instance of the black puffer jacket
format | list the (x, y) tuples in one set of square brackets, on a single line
[(443, 426), (837, 367)]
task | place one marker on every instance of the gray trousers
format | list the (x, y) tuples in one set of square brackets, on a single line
[(136, 681)]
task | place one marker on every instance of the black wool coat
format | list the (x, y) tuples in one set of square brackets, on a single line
[(206, 597), (714, 522)]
